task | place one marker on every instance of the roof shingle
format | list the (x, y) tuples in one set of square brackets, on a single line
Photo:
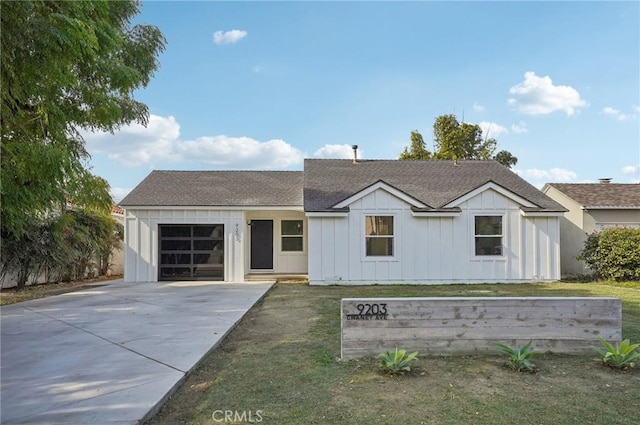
[(597, 195), (435, 183), (218, 188)]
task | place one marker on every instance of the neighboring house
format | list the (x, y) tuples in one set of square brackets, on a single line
[(591, 207), (344, 222)]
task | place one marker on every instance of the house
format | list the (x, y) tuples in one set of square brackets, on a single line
[(590, 208), (344, 222)]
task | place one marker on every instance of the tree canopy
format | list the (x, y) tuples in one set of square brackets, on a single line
[(66, 66), (453, 140)]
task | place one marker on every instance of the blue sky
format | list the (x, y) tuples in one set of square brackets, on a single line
[(263, 85)]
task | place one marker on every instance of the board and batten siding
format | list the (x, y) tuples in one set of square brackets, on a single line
[(433, 249), (141, 239)]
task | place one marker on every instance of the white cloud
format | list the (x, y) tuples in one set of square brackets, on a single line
[(554, 175), (492, 129), (228, 37), (478, 107), (256, 69), (337, 152), (118, 193), (538, 96), (616, 114), (239, 152), (519, 128), (631, 169), (135, 145), (636, 109)]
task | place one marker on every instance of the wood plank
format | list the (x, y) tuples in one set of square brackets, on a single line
[(466, 325)]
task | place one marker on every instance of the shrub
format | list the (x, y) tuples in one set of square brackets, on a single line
[(519, 357), (397, 362), (620, 356), (613, 253)]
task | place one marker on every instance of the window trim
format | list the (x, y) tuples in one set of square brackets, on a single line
[(302, 236), (393, 237), (474, 236)]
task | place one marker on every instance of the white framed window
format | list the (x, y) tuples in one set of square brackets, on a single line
[(292, 236), (379, 235), (488, 235)]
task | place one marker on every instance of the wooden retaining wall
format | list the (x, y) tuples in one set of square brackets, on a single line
[(445, 326)]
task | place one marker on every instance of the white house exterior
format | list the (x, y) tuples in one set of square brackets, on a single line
[(436, 220), (591, 208), (214, 225), (344, 222)]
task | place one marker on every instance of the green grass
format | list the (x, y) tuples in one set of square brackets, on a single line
[(282, 360)]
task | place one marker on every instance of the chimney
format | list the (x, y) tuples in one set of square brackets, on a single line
[(355, 153), (606, 180)]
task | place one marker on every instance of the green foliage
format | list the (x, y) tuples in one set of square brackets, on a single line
[(506, 158), (613, 254), (66, 66), (620, 356), (418, 149), (69, 246), (397, 361), (519, 357), (456, 140)]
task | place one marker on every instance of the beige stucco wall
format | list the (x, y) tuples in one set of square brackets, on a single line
[(117, 256), (572, 233)]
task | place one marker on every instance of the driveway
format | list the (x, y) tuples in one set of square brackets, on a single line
[(111, 354)]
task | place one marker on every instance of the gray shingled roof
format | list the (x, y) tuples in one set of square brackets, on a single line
[(435, 183), (597, 195), (218, 188)]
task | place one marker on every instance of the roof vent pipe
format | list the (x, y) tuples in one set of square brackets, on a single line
[(605, 180), (355, 153)]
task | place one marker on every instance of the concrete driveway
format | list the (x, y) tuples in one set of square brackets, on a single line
[(111, 354)]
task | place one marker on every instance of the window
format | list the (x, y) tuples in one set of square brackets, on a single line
[(379, 235), (488, 234), (292, 235)]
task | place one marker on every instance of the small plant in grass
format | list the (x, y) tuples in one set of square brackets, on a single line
[(397, 361), (621, 356), (519, 357)]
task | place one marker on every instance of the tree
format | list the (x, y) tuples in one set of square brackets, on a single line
[(66, 66), (418, 148), (455, 140), (506, 158)]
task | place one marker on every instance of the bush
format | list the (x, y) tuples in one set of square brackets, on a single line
[(613, 253)]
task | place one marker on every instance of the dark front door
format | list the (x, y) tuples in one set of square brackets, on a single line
[(262, 244)]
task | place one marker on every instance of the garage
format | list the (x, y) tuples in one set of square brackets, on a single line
[(191, 252)]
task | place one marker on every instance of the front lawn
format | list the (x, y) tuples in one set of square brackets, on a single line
[(280, 366)]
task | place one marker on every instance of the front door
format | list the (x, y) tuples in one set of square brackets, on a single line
[(261, 244)]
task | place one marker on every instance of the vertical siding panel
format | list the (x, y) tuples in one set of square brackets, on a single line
[(328, 250), (144, 244), (354, 244), (410, 263), (433, 260), (460, 257), (315, 249), (419, 249), (342, 251), (446, 247)]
